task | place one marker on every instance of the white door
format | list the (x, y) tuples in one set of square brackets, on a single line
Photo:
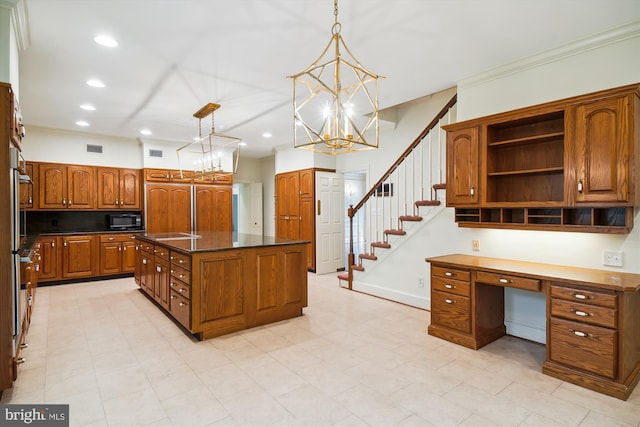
[(329, 222), (255, 220)]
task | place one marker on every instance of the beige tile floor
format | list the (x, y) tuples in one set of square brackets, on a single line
[(351, 360)]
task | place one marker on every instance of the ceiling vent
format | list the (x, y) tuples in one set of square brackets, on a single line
[(94, 148), (155, 153)]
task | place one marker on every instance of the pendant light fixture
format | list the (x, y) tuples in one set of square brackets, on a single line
[(335, 101), (212, 155)]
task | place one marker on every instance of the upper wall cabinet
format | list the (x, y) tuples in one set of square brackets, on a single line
[(66, 186), (118, 188), (565, 165)]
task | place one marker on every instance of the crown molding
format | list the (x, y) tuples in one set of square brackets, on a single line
[(7, 4), (20, 18), (616, 35)]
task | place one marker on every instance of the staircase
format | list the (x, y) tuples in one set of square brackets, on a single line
[(399, 195)]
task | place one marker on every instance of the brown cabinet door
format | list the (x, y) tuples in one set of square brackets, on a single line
[(110, 258), (307, 184), (129, 189), (108, 188), (462, 167), (168, 208), (26, 189), (79, 257), (81, 187), (308, 229), (49, 258), (52, 186), (161, 282), (288, 205), (213, 208), (179, 209), (157, 214), (147, 272), (603, 144), (128, 256)]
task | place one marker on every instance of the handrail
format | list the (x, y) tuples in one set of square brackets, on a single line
[(352, 210)]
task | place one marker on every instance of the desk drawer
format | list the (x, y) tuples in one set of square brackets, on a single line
[(508, 281), (601, 316), (451, 311), (451, 286), (450, 273), (585, 347), (602, 299)]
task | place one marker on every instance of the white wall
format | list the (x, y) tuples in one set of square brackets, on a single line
[(268, 172)]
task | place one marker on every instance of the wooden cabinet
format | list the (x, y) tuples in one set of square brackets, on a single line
[(180, 288), (295, 209), (146, 268), (118, 188), (213, 208), (592, 320), (117, 254), (604, 146), (168, 208), (66, 186), (79, 256), (462, 167), (161, 276), (186, 177), (27, 199), (566, 165), (50, 258)]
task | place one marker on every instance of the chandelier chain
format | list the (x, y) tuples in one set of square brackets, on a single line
[(335, 29)]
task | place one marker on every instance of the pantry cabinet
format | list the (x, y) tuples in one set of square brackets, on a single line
[(214, 208), (118, 188), (565, 165), (168, 208)]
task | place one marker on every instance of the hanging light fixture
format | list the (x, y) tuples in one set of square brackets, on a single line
[(335, 101), (212, 155)]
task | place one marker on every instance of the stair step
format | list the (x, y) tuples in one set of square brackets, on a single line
[(395, 232), (428, 203), (343, 276), (440, 186), (357, 267), (368, 256), (384, 245), (410, 218)]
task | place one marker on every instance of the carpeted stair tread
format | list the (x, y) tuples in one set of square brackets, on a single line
[(395, 232), (410, 218), (384, 245), (357, 267), (368, 256), (428, 203)]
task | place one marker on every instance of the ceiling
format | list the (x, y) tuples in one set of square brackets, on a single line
[(174, 56)]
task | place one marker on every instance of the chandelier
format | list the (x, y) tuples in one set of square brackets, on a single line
[(335, 101), (212, 155)]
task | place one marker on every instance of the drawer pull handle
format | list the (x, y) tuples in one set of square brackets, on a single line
[(580, 296), (182, 290), (181, 276), (448, 286), (172, 258), (173, 285), (181, 261), (144, 261), (174, 297), (505, 280), (580, 334), (448, 274), (581, 313), (449, 301), (182, 304)]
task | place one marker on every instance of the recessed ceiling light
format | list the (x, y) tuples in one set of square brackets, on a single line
[(145, 132), (88, 107), (82, 123), (95, 83), (243, 144), (105, 40), (267, 135)]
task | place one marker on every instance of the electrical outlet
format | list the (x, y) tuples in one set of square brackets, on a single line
[(420, 282), (612, 258), (475, 245)]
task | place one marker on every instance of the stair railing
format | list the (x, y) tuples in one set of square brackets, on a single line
[(386, 183)]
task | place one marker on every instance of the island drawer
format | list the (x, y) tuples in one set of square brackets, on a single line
[(601, 298), (508, 281), (181, 274), (161, 252), (450, 273), (451, 286), (181, 259), (146, 247), (592, 314), (180, 287), (451, 311), (180, 309)]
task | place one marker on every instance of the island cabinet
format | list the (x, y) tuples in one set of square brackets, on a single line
[(216, 285), (593, 316), (118, 188), (566, 165)]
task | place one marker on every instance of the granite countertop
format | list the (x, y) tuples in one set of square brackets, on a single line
[(208, 241)]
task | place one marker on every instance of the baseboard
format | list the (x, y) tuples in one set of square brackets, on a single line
[(393, 295), (527, 331)]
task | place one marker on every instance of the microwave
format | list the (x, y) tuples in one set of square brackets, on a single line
[(124, 222)]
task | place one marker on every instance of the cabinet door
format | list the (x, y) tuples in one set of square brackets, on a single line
[(129, 189), (128, 256), (308, 229), (110, 258), (213, 208), (49, 258), (462, 167), (81, 187), (179, 209), (288, 205), (52, 186), (603, 146), (157, 213), (108, 188), (26, 189), (79, 257), (161, 282), (307, 185), (147, 272)]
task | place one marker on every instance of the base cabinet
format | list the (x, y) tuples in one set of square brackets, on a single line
[(117, 254), (592, 315)]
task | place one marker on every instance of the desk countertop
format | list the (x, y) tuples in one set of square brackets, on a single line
[(606, 279)]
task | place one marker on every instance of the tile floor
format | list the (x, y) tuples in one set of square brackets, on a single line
[(351, 360)]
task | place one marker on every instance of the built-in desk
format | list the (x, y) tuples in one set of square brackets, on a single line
[(593, 316)]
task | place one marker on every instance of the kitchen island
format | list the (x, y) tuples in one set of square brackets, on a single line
[(214, 283)]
